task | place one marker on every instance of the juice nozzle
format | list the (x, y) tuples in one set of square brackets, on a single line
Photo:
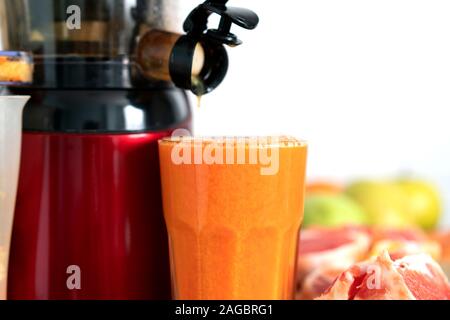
[(197, 60)]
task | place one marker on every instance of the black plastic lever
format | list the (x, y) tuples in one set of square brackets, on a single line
[(196, 23), (242, 17)]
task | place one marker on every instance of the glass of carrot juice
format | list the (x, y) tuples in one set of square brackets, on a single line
[(233, 209)]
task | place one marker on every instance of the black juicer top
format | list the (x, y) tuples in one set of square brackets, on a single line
[(88, 80)]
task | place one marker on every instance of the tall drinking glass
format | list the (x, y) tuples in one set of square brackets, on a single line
[(10, 145), (233, 209)]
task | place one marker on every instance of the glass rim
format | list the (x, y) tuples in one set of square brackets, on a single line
[(259, 141)]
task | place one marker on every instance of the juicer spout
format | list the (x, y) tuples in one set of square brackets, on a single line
[(212, 41), (197, 60)]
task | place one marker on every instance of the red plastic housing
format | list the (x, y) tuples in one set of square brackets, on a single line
[(92, 201)]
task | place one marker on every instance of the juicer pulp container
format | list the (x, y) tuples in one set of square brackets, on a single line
[(10, 146)]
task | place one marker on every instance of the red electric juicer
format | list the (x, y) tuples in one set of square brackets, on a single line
[(109, 80)]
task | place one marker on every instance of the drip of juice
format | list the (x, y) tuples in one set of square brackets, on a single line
[(233, 231), (198, 88)]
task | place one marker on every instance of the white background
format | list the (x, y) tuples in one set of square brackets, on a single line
[(366, 83)]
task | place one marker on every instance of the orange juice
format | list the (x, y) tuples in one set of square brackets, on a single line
[(232, 216)]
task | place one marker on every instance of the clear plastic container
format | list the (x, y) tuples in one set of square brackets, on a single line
[(10, 145)]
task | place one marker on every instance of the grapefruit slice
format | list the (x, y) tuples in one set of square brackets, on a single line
[(414, 277), (324, 253)]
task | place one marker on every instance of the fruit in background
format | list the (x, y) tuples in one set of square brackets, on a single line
[(443, 238), (323, 187), (385, 203), (332, 211), (324, 253), (423, 204), (400, 248)]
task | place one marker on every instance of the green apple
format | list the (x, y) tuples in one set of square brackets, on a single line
[(332, 211)]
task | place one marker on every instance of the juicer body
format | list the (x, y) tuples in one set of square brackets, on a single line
[(88, 219)]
